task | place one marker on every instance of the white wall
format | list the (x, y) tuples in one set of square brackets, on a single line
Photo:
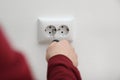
[(97, 41)]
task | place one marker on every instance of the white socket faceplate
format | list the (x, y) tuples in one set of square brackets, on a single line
[(44, 22)]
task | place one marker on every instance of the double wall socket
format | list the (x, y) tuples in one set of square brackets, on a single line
[(55, 28)]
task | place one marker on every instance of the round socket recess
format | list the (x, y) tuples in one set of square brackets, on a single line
[(63, 30), (50, 30)]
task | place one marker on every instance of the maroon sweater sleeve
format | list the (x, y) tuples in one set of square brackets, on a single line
[(13, 65), (61, 68)]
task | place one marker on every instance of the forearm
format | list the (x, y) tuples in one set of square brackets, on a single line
[(13, 65), (60, 67)]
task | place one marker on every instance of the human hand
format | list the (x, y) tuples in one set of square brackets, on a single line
[(62, 48)]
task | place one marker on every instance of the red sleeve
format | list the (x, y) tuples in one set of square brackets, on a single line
[(13, 65), (61, 68)]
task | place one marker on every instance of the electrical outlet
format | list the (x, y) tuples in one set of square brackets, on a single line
[(50, 30), (63, 30), (55, 28)]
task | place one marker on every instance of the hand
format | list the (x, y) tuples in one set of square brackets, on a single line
[(62, 48)]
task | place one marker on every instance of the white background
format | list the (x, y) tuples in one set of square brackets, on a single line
[(97, 41)]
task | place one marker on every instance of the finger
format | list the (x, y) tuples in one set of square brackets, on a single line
[(52, 44), (64, 41)]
